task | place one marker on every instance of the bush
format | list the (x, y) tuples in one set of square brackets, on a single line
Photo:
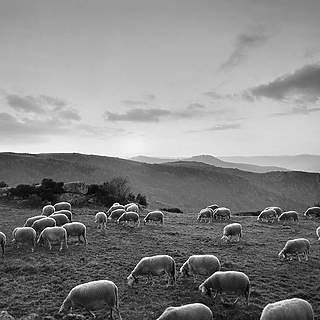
[(174, 210), (3, 184), (23, 191), (141, 199), (49, 189)]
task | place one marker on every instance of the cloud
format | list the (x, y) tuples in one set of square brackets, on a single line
[(195, 106), (298, 110), (138, 115), (24, 103), (131, 103), (218, 127), (243, 44)]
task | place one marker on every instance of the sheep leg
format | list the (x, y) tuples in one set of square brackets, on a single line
[(50, 247), (61, 246), (235, 301), (91, 313), (306, 256), (299, 258)]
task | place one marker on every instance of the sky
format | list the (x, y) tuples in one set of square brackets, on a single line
[(160, 77)]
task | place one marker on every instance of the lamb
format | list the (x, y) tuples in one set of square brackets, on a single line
[(54, 235), (205, 215), (205, 264), (318, 233), (29, 222), (154, 216), (132, 207), (48, 210), (227, 281), (313, 211), (41, 224), (230, 230), (76, 229), (295, 247), (154, 265), (3, 241), (62, 206), (101, 220), (288, 215), (93, 295), (116, 214), (222, 213), (24, 235), (192, 311), (267, 215), (278, 210), (60, 219), (115, 206), (288, 309), (128, 217), (66, 213)]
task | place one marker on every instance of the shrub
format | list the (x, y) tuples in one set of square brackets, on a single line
[(174, 210), (23, 191), (49, 189), (3, 184), (141, 199)]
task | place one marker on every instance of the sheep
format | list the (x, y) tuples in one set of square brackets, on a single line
[(54, 235), (192, 311), (213, 206), (60, 219), (116, 214), (133, 207), (288, 309), (31, 220), (127, 205), (76, 229), (318, 233), (295, 247), (222, 213), (230, 230), (62, 206), (205, 214), (48, 210), (154, 265), (24, 235), (115, 206), (205, 264), (154, 216), (313, 211), (288, 215), (128, 217), (278, 210), (41, 224), (101, 220), (3, 241), (93, 295), (227, 281), (268, 215), (65, 212)]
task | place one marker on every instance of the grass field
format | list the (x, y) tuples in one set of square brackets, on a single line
[(38, 282)]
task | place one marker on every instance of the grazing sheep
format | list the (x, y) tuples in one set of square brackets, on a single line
[(60, 219), (227, 281), (133, 207), (213, 206), (76, 229), (288, 215), (3, 241), (24, 235), (267, 215), (222, 213), (205, 264), (154, 216), (62, 206), (54, 235), (93, 295), (192, 311), (230, 230), (29, 222), (129, 216), (101, 220), (313, 211), (48, 210), (295, 247), (41, 224), (116, 214), (205, 215), (276, 209), (288, 309), (154, 265), (115, 206), (67, 213), (318, 233)]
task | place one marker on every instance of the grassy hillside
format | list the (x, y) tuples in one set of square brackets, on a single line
[(38, 282)]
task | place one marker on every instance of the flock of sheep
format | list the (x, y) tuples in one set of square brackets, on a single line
[(55, 226)]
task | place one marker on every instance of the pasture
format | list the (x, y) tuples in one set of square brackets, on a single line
[(38, 282)]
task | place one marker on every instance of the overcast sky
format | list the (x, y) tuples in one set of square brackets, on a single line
[(160, 77)]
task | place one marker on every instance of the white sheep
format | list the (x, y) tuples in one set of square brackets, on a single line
[(116, 214), (41, 224), (62, 206), (126, 206), (232, 230), (288, 215), (29, 222), (295, 247), (318, 233), (154, 265), (3, 241), (60, 219), (213, 206), (67, 213), (101, 220), (154, 216), (48, 210), (192, 311), (76, 229), (278, 210), (54, 235), (133, 207), (288, 309), (205, 264), (129, 216), (267, 215), (93, 295), (115, 206), (313, 211), (227, 281), (205, 215), (222, 213), (24, 235)]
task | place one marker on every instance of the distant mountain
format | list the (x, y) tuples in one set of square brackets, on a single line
[(184, 184), (302, 162), (212, 161)]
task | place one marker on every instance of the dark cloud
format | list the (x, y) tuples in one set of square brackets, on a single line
[(218, 127), (138, 115), (195, 106), (53, 101), (214, 95), (299, 110), (24, 103), (134, 103)]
